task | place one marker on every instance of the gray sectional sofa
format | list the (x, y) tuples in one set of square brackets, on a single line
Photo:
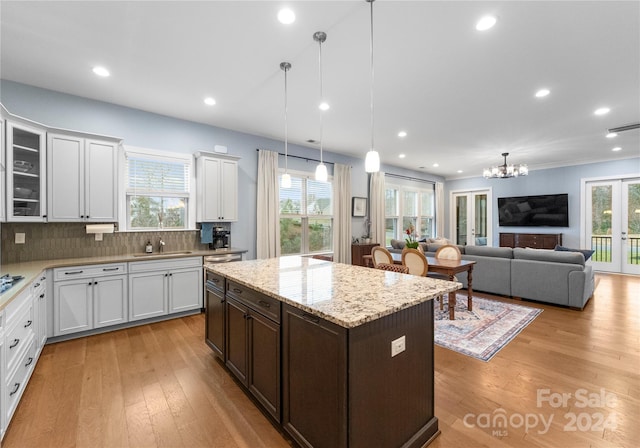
[(557, 277)]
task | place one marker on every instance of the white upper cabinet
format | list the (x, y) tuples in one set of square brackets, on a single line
[(3, 169), (217, 187), (26, 173), (82, 179)]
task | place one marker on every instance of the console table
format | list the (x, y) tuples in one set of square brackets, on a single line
[(533, 240), (360, 250)]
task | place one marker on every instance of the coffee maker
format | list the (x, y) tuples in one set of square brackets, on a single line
[(221, 238)]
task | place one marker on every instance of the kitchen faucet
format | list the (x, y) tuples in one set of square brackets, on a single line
[(161, 245)]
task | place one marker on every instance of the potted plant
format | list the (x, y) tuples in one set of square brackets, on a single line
[(411, 241)]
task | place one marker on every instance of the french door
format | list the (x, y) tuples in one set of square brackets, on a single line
[(471, 217), (612, 224)]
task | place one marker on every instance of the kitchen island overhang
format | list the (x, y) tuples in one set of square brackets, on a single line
[(354, 364)]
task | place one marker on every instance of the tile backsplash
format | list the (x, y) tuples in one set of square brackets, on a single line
[(70, 240)]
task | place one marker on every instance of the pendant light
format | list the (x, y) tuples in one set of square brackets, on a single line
[(321, 169), (372, 161), (286, 178)]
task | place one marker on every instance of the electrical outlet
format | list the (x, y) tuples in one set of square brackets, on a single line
[(20, 238), (398, 346), (98, 237)]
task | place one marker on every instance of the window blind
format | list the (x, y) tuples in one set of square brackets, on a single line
[(157, 176)]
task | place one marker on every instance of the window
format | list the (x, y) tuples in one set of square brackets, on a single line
[(405, 207), (306, 216), (158, 190)]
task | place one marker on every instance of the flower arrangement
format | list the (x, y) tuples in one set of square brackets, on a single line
[(410, 241)]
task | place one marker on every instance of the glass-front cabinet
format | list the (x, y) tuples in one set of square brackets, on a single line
[(25, 168)]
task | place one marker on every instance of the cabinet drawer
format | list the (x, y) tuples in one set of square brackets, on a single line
[(88, 271), (165, 264), (17, 382), (265, 305), (215, 281), (39, 285), (19, 333)]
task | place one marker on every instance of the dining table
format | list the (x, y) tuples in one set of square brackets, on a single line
[(449, 268)]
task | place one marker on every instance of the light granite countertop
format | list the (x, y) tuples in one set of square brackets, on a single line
[(346, 295), (33, 269)]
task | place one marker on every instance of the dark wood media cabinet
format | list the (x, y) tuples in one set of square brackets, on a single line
[(533, 240)]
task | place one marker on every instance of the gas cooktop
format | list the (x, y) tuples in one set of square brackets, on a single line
[(7, 281)]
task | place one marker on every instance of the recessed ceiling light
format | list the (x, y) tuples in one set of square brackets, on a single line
[(402, 134), (460, 171), (209, 101), (324, 106), (612, 135), (602, 111), (542, 93), (101, 71), (616, 149), (486, 23), (286, 16), (402, 156), (436, 165)]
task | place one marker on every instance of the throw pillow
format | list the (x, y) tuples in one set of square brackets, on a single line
[(586, 252)]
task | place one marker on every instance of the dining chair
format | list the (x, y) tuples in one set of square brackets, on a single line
[(380, 255), (449, 252), (393, 268), (415, 261), (446, 252)]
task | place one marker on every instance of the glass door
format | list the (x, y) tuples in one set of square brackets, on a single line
[(25, 173), (613, 225), (471, 218)]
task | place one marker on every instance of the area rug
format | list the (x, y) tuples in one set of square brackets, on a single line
[(483, 332)]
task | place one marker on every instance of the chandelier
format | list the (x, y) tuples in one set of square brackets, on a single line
[(505, 171)]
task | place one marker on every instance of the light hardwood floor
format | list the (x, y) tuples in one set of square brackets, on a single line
[(160, 386)]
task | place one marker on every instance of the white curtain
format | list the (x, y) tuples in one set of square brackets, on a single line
[(342, 213), (267, 225), (376, 214), (440, 218)]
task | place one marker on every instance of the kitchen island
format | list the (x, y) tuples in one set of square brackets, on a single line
[(337, 355)]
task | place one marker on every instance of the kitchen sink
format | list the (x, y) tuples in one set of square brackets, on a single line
[(159, 254)]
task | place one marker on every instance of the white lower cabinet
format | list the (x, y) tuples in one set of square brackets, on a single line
[(161, 287), (39, 293), (88, 297), (18, 352), (148, 295)]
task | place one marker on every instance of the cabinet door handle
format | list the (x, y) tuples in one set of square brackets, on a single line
[(15, 389), (109, 269), (14, 343), (36, 285), (237, 290), (73, 272), (29, 362), (28, 324), (264, 304), (310, 318), (221, 300), (215, 280), (42, 296)]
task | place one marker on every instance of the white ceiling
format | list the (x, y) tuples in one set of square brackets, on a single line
[(462, 96)]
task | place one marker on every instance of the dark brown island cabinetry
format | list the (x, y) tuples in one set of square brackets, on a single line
[(215, 316), (252, 346), (330, 372)]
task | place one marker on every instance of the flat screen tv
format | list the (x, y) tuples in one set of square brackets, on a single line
[(550, 210)]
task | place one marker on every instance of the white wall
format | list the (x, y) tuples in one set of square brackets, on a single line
[(549, 181), (149, 130)]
